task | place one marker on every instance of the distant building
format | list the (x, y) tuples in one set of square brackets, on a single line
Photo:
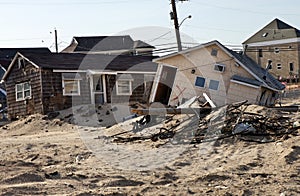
[(280, 43), (112, 45)]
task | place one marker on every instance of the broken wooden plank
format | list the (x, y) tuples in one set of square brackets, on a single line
[(209, 100), (163, 111)]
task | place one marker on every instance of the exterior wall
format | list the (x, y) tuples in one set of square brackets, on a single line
[(202, 63), (53, 98), (140, 93), (288, 53), (239, 92), (29, 74)]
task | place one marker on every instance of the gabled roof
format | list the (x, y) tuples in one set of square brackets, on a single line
[(105, 43), (260, 74), (275, 30), (7, 54), (83, 62)]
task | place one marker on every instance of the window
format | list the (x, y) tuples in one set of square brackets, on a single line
[(23, 91), (214, 52), (71, 87), (124, 87), (265, 34), (21, 62), (200, 82), (213, 84), (278, 66), (291, 66), (276, 50), (260, 53), (219, 67)]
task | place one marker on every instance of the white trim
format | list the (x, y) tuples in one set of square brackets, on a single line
[(102, 72), (245, 84), (215, 81), (156, 82), (273, 42), (23, 91), (136, 72), (204, 85), (71, 94), (68, 71), (13, 62), (130, 86)]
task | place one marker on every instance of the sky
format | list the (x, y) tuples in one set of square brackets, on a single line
[(31, 23)]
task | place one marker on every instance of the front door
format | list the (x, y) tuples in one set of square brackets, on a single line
[(98, 89)]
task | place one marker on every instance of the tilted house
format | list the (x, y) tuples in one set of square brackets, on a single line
[(280, 43), (41, 83), (211, 68), (113, 45)]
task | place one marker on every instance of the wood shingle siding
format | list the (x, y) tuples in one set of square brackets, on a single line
[(18, 75)]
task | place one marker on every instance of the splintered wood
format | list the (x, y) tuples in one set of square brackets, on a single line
[(238, 120)]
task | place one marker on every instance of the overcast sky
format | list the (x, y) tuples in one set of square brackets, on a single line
[(29, 23)]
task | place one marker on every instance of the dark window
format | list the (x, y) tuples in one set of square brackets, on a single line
[(276, 50), (260, 54), (278, 66), (200, 81), (214, 52), (291, 66)]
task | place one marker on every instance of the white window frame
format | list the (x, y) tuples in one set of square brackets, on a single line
[(216, 67), (22, 91), (71, 94), (203, 84), (118, 88), (214, 81)]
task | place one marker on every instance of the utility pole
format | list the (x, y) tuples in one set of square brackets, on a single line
[(174, 17), (56, 44)]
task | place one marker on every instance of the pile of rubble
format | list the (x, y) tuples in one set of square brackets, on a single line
[(239, 120)]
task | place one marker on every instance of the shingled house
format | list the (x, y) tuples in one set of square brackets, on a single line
[(41, 83), (6, 56), (224, 75), (280, 43), (112, 45)]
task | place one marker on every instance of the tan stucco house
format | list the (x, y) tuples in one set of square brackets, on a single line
[(211, 68), (280, 43)]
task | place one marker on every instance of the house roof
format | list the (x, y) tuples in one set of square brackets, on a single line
[(84, 62), (7, 54), (275, 30), (246, 80), (251, 66), (105, 43)]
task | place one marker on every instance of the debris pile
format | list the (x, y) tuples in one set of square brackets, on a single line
[(246, 122), (238, 120)]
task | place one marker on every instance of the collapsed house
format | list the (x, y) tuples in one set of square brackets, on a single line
[(224, 75), (41, 83)]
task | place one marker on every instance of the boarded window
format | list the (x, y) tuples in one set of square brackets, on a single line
[(23, 91), (200, 81), (124, 87), (213, 84), (71, 87)]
